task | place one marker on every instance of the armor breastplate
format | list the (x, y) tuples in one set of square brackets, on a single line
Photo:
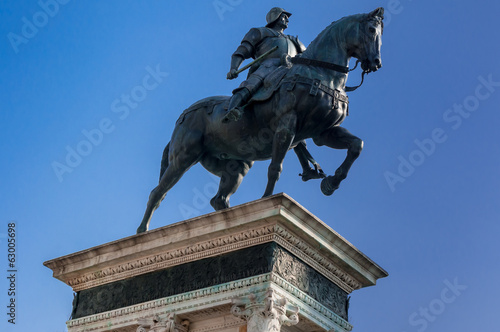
[(285, 46)]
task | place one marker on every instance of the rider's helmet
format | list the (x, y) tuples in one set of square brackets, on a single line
[(274, 14)]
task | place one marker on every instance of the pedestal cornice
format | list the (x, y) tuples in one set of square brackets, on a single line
[(277, 218)]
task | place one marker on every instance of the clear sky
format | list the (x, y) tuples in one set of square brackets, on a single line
[(421, 201)]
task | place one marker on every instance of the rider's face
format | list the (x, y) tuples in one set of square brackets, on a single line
[(283, 21)]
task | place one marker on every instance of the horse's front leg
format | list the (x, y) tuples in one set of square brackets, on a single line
[(339, 138), (282, 141)]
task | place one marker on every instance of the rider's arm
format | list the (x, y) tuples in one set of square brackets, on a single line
[(236, 61), (246, 50)]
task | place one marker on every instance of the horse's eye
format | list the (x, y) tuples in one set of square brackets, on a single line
[(372, 30)]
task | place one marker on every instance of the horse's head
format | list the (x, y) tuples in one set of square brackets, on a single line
[(365, 40)]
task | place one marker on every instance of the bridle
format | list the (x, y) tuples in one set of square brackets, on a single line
[(334, 67)]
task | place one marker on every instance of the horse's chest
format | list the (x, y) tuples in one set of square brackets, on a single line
[(322, 111), (317, 100), (323, 118)]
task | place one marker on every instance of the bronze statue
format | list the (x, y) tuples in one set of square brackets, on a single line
[(299, 101)]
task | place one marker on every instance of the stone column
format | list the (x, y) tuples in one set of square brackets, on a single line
[(265, 314)]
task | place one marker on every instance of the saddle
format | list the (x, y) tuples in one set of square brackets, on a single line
[(271, 84), (273, 80)]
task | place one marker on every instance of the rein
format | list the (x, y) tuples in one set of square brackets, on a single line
[(331, 66), (321, 64)]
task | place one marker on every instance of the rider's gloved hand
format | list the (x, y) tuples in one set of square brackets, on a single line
[(232, 74)]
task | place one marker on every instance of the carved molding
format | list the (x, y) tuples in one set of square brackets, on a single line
[(170, 258), (212, 296), (170, 323), (215, 247), (225, 325), (215, 324)]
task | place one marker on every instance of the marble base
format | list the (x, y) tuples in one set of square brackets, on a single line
[(267, 265)]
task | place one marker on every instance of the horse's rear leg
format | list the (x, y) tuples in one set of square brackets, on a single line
[(282, 141), (231, 174), (179, 162), (339, 138)]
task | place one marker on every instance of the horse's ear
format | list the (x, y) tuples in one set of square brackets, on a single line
[(379, 12)]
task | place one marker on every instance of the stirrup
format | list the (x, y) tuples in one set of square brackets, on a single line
[(316, 173)]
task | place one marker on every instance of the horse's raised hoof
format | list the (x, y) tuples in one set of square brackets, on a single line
[(327, 186), (232, 115), (219, 204)]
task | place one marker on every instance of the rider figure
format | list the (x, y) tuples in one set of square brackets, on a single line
[(255, 43)]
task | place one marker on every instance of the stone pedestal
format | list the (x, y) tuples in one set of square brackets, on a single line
[(268, 265)]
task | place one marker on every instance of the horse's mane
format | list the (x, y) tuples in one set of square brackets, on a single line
[(339, 26)]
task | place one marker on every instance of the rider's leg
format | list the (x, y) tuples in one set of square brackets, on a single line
[(243, 94), (239, 98)]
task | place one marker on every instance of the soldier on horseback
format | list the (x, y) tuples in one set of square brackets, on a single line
[(257, 42), (301, 107)]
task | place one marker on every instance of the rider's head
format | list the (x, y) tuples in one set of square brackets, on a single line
[(277, 17)]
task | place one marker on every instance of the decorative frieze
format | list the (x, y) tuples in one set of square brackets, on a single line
[(312, 257), (219, 246), (303, 277), (210, 272), (174, 257)]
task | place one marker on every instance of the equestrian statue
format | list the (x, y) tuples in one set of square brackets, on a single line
[(291, 94)]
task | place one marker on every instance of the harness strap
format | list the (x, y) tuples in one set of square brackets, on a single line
[(315, 86), (331, 66), (322, 64)]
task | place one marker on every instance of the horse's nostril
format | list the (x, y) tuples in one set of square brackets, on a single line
[(378, 62)]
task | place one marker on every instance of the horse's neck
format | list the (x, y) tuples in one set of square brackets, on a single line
[(329, 46)]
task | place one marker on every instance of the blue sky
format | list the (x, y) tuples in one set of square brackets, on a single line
[(421, 201)]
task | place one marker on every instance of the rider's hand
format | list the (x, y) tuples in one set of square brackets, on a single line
[(232, 74)]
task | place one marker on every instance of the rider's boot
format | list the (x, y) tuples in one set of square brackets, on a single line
[(235, 112)]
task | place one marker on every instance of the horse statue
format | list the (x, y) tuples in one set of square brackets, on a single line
[(309, 101)]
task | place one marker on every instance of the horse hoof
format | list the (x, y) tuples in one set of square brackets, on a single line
[(141, 230), (326, 188), (219, 204)]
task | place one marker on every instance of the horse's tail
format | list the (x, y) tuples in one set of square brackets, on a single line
[(164, 160)]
